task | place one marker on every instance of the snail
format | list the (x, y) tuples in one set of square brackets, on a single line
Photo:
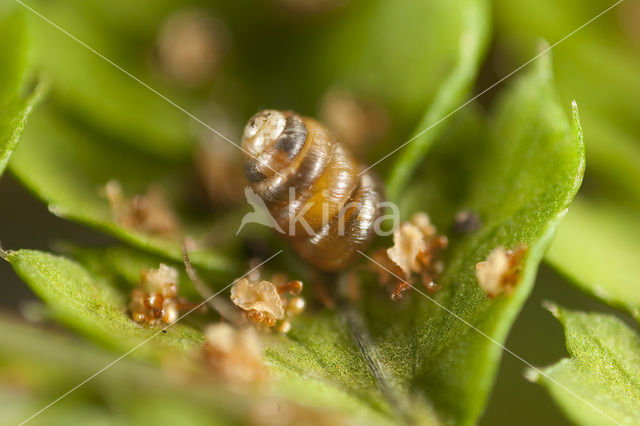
[(312, 187)]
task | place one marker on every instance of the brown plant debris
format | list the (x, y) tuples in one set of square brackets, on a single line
[(148, 213), (221, 172), (274, 412), (629, 17), (191, 46), (220, 169), (356, 122), (234, 354), (266, 302), (416, 250), (350, 286), (501, 271), (155, 300)]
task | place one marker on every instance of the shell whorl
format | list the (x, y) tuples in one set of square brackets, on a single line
[(294, 165)]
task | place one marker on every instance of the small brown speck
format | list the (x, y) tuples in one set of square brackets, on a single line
[(466, 222)]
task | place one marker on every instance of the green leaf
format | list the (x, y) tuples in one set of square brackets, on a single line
[(96, 90), (409, 359), (88, 301), (603, 373), (597, 66), (37, 367), (14, 49), (597, 246), (67, 167), (14, 46), (401, 52), (415, 359), (120, 264), (395, 53), (377, 359), (449, 97)]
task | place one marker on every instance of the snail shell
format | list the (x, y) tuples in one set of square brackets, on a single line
[(309, 182)]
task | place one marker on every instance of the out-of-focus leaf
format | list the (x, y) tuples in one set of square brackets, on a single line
[(14, 49), (402, 52), (88, 301), (597, 66), (417, 360), (124, 264), (397, 54), (598, 246), (96, 90), (603, 373), (37, 367), (68, 167), (450, 96), (14, 45)]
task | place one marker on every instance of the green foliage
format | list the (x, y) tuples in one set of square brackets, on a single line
[(68, 168), (597, 244), (439, 369), (68, 156), (372, 50), (14, 108), (97, 92), (88, 301), (37, 367), (434, 363), (428, 359), (603, 371), (449, 97), (89, 295), (606, 263), (367, 48)]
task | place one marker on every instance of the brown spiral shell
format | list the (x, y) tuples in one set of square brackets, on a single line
[(296, 167)]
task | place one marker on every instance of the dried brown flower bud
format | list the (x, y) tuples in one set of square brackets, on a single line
[(148, 213), (284, 327), (356, 122), (155, 301), (191, 46), (264, 302), (629, 16), (501, 271), (260, 296), (416, 249), (234, 354), (220, 169), (423, 223), (408, 243)]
